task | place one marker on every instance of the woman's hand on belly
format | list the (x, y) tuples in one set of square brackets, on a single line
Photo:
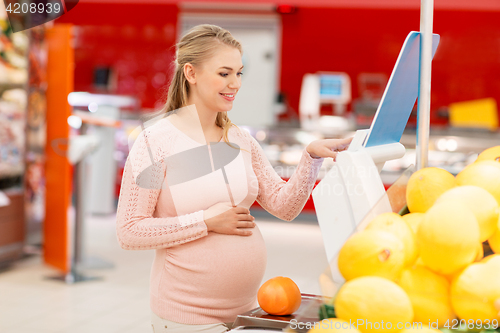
[(223, 218)]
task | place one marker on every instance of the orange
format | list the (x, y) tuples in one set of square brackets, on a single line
[(279, 296)]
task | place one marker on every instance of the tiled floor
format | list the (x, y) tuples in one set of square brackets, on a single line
[(30, 303)]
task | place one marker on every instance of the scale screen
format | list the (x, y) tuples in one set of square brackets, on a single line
[(400, 94), (331, 86)]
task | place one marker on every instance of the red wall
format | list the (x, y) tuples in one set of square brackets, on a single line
[(465, 67), (137, 40), (355, 40), (344, 40)]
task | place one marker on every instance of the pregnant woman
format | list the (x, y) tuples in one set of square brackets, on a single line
[(210, 256)]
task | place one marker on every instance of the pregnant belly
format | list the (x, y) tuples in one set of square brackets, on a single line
[(224, 267)]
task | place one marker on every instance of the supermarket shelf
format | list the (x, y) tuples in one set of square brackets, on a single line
[(7, 85)]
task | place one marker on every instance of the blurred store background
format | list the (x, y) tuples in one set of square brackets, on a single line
[(313, 69)]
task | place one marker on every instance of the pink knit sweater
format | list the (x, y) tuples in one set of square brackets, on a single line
[(201, 277)]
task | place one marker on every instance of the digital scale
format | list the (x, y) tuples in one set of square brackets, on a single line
[(324, 88), (352, 188)]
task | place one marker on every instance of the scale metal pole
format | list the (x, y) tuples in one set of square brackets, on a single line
[(424, 89)]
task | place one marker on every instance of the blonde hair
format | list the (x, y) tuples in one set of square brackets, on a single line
[(196, 46)]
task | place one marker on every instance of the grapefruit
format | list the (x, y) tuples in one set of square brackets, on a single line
[(279, 296)]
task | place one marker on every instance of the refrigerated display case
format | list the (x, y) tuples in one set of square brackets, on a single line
[(36, 136), (22, 138), (13, 102)]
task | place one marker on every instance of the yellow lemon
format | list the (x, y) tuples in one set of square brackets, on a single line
[(425, 186), (413, 220), (375, 304), (475, 292), (452, 276), (480, 252), (494, 240), (333, 325), (372, 252), (494, 261), (488, 258), (395, 224), (448, 277), (490, 154), (448, 237), (480, 202), (419, 262), (429, 295), (485, 174)]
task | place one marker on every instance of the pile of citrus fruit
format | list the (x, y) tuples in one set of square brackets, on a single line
[(427, 266)]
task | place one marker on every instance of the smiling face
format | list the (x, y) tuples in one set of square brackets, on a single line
[(217, 80)]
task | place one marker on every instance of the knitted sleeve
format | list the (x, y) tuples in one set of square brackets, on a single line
[(284, 199), (143, 179)]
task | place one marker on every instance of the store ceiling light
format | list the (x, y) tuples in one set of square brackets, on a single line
[(260, 135), (441, 144), (444, 144), (451, 145), (83, 99), (75, 122), (93, 107)]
